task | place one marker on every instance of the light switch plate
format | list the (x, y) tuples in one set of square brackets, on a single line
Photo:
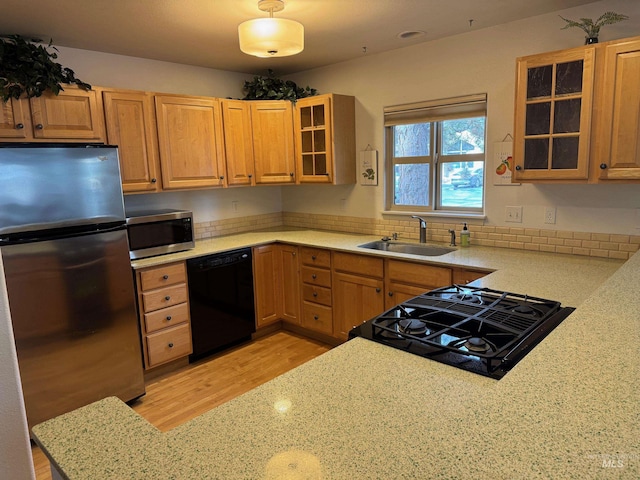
[(513, 214)]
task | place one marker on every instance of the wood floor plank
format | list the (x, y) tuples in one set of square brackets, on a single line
[(179, 396)]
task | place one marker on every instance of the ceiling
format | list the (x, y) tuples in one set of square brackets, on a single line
[(204, 32)]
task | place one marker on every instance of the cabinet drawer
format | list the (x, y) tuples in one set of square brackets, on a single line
[(164, 297), (359, 264), (169, 344), (418, 274), (317, 317), (166, 317), (316, 256), (163, 276), (311, 293), (316, 276)]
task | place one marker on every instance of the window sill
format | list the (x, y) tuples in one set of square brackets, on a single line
[(456, 215)]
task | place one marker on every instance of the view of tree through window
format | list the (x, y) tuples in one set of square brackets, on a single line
[(439, 165)]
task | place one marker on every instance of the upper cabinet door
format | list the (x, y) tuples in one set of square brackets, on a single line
[(619, 133), (131, 125), (191, 141), (73, 114), (326, 139), (238, 142), (272, 122), (14, 120), (554, 93)]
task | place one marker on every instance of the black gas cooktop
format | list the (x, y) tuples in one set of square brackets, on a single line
[(477, 329)]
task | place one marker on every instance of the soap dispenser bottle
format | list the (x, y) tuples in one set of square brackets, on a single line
[(465, 237)]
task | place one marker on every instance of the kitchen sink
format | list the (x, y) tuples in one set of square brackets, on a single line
[(411, 248)]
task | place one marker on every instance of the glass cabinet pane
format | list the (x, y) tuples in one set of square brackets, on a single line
[(566, 116), (569, 77), (565, 152), (318, 116), (305, 117), (307, 164), (536, 153), (321, 164), (319, 143), (307, 142), (539, 81), (538, 118)]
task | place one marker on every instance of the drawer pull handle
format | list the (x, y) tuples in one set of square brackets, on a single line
[(154, 180), (19, 126), (518, 167), (221, 177), (171, 345), (250, 175), (391, 294), (315, 294), (168, 318), (39, 126), (315, 317), (603, 166), (313, 257), (167, 298), (314, 276), (165, 277)]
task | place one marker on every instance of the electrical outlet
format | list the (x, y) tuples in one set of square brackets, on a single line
[(550, 215), (343, 204), (513, 214), (234, 205)]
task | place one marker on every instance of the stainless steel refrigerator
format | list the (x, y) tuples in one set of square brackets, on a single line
[(64, 247)]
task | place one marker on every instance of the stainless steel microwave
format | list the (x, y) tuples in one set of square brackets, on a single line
[(157, 232)]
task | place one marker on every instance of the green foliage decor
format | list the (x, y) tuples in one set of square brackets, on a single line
[(272, 88), (27, 68), (591, 28)]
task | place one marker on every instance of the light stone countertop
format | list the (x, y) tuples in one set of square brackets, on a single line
[(569, 409)]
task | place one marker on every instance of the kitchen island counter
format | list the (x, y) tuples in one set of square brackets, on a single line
[(569, 409)]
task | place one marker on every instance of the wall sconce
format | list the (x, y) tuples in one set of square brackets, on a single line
[(271, 37)]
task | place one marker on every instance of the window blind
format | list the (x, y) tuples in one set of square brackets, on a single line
[(436, 110)]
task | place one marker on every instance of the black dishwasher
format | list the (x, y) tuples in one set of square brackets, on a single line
[(221, 301)]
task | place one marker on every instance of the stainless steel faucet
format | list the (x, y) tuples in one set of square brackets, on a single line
[(423, 228), (453, 238)]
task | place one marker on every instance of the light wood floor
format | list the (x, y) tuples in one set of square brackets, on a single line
[(194, 389)]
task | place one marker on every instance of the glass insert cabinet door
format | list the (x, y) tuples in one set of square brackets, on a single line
[(314, 116), (554, 94)]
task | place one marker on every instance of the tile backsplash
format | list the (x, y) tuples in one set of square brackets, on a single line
[(575, 243)]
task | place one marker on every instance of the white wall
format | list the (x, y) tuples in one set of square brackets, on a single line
[(482, 60), (15, 450)]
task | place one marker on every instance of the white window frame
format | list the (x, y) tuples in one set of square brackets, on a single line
[(434, 112)]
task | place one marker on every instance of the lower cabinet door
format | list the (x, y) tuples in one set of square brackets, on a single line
[(356, 300), (169, 344)]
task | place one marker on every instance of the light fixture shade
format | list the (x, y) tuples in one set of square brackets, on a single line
[(271, 37)]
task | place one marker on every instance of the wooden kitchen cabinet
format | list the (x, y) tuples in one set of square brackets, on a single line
[(191, 141), (553, 111), (131, 125), (163, 306), (618, 144), (325, 139), (74, 115), (266, 284), (276, 277), (273, 145), (358, 290), (405, 280), (238, 142), (289, 271), (317, 296)]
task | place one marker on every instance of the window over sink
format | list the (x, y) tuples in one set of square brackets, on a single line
[(435, 155)]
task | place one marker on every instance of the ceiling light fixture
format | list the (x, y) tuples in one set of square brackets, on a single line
[(271, 37)]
